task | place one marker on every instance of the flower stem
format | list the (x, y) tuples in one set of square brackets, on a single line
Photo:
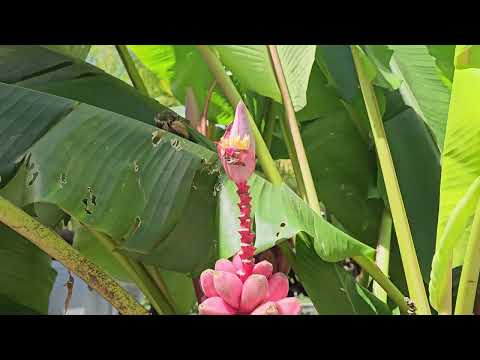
[(303, 166), (132, 71), (233, 96), (411, 267), (382, 257), (467, 289), (247, 238), (52, 244)]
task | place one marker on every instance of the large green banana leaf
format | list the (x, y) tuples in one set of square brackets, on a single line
[(185, 68), (460, 171), (252, 66), (422, 87)]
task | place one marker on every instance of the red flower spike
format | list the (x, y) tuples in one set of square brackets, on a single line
[(239, 286)]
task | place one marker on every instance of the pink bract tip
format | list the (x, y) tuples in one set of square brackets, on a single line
[(236, 148)]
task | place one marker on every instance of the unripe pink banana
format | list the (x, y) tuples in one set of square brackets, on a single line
[(263, 268), (255, 291), (206, 282), (225, 265), (237, 262), (215, 306), (289, 306), (278, 286), (269, 308), (228, 287)]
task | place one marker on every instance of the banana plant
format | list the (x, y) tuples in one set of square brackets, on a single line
[(377, 208)]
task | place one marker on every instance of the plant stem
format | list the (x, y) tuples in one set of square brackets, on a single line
[(52, 244), (233, 96), (131, 69), (287, 136), (445, 307), (411, 267), (377, 274), (138, 274), (270, 122), (294, 130), (382, 258), (467, 289)]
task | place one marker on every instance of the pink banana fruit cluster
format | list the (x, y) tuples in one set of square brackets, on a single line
[(241, 286)]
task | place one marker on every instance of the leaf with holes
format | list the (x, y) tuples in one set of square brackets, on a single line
[(93, 177)]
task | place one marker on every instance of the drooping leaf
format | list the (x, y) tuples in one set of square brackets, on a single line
[(94, 161), (422, 87), (280, 214)]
